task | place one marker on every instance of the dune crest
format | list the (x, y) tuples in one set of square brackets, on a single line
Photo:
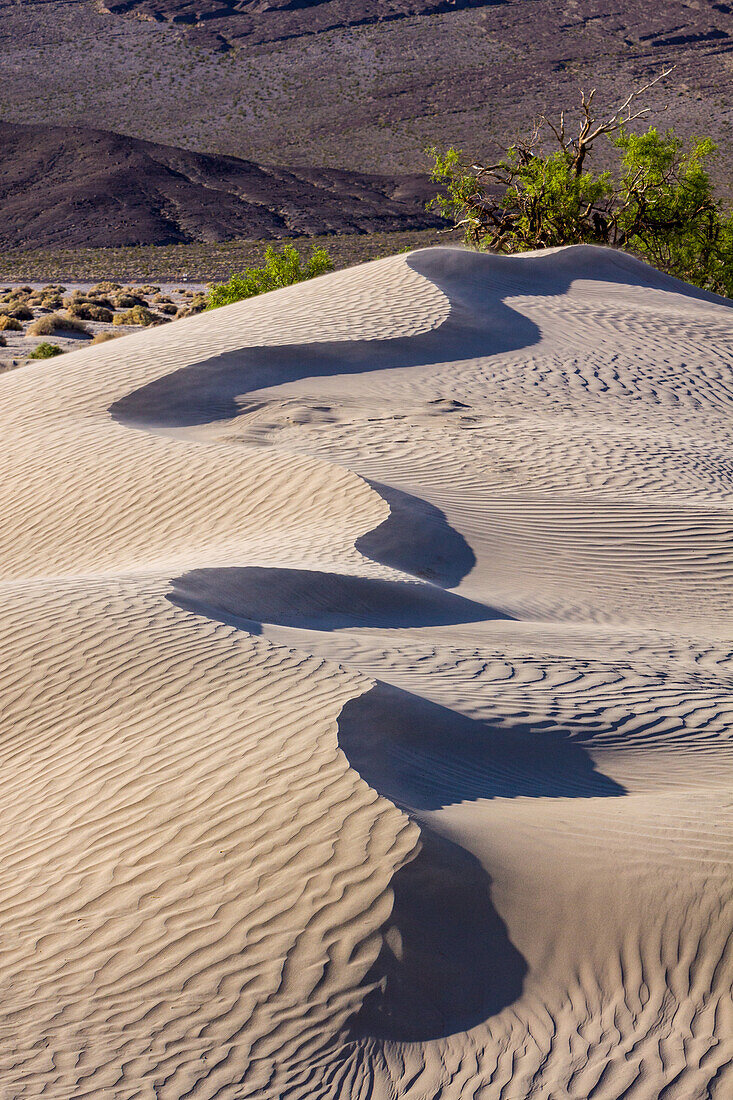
[(366, 694)]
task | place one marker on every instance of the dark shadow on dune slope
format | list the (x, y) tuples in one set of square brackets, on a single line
[(417, 538), (447, 962), (423, 756), (480, 324), (311, 600)]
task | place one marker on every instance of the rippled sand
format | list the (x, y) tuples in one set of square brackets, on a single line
[(366, 694)]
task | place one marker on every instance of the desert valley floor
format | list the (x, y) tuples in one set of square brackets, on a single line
[(367, 694)]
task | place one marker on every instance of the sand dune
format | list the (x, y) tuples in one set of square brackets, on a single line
[(367, 694)]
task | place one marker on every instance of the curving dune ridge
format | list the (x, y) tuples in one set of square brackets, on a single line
[(366, 694)]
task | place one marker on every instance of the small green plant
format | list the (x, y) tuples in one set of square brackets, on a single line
[(657, 204), (45, 351), (283, 268)]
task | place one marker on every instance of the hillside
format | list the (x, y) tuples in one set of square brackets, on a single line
[(357, 84), (72, 186)]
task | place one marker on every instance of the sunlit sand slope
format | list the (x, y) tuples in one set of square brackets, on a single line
[(367, 689)]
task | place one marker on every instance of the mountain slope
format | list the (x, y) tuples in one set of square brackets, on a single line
[(75, 186), (325, 84)]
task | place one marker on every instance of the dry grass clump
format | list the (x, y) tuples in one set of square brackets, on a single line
[(9, 324), (197, 304), (82, 297), (21, 312), (138, 315), (74, 297), (129, 301), (51, 323), (89, 311), (168, 308), (43, 326), (104, 287), (14, 298), (103, 337)]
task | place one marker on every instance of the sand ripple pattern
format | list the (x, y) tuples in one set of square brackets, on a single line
[(366, 694)]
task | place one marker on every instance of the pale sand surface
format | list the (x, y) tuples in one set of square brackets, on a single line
[(366, 694)]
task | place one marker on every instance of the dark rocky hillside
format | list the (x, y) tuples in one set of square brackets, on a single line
[(358, 84), (225, 23), (72, 186), (657, 27), (361, 85)]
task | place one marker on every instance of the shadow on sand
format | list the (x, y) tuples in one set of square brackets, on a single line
[(447, 962), (479, 324), (306, 599), (417, 538)]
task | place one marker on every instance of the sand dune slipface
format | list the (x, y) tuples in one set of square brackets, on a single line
[(366, 693)]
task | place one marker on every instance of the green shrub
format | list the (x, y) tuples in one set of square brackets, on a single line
[(280, 269), (658, 203), (45, 351)]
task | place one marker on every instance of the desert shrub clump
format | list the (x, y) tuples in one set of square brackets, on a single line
[(20, 312), (283, 268), (90, 311), (103, 337), (9, 324), (51, 323), (45, 351), (138, 315), (657, 203)]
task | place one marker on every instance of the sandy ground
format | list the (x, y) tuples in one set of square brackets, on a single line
[(20, 345), (367, 693)]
